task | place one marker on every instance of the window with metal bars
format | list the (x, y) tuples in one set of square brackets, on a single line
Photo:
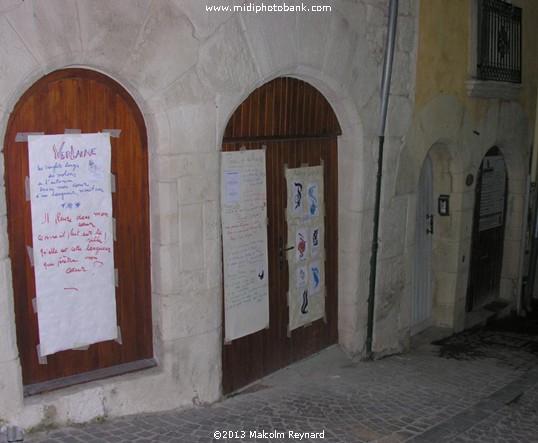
[(499, 41)]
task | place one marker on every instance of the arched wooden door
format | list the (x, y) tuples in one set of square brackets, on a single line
[(488, 230), (90, 102), (298, 127)]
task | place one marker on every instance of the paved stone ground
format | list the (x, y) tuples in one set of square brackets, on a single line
[(479, 386)]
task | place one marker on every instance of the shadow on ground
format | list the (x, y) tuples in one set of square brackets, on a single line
[(512, 341)]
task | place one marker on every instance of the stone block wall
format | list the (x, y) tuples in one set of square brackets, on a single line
[(188, 69)]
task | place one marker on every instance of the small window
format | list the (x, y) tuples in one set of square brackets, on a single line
[(498, 41)]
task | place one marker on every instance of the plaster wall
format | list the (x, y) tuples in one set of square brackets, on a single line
[(457, 130), (457, 147), (188, 69)]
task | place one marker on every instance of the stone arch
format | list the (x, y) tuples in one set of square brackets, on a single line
[(436, 138), (457, 144), (351, 310)]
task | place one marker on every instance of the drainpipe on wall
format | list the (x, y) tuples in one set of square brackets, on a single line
[(385, 88)]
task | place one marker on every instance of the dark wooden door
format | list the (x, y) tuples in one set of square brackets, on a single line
[(91, 102), (488, 231), (298, 127)]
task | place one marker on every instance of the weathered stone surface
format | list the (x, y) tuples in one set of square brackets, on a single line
[(10, 390), (8, 344), (165, 198), (204, 20), (8, 5), (198, 188), (164, 50), (191, 314), (50, 31), (191, 227), (392, 229), (165, 228), (16, 63), (193, 129), (225, 60), (341, 47), (109, 30), (165, 268)]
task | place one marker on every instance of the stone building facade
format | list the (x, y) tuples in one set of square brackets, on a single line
[(188, 68)]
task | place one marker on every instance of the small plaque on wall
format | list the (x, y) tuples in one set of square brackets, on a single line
[(443, 205)]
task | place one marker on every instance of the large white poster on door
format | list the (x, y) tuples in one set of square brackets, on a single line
[(72, 232), (306, 258), (492, 193), (244, 237)]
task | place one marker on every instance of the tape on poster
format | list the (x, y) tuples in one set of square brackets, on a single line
[(118, 338), (30, 252), (42, 359), (27, 188), (23, 136), (81, 347), (115, 133), (73, 131)]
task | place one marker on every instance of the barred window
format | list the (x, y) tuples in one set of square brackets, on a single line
[(499, 41)]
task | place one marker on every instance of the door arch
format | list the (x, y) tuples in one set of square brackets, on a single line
[(421, 304), (488, 230), (90, 102), (298, 127)]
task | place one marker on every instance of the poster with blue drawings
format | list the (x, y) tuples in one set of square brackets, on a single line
[(306, 258), (73, 240)]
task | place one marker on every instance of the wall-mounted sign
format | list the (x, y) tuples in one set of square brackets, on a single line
[(443, 207), (70, 194)]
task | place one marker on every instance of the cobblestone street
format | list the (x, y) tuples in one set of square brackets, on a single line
[(480, 386)]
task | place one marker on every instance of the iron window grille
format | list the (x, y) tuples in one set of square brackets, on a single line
[(499, 41)]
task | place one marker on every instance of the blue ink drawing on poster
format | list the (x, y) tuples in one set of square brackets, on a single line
[(298, 196), (305, 302), (315, 282), (313, 199)]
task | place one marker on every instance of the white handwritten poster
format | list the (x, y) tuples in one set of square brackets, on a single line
[(70, 194), (306, 261), (493, 192), (244, 237)]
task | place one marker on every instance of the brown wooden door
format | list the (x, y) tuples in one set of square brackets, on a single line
[(91, 102), (488, 231), (298, 127)]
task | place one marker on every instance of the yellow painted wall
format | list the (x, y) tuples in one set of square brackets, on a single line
[(443, 54)]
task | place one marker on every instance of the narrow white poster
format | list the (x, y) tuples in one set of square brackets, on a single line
[(244, 237), (70, 194), (492, 193), (306, 260)]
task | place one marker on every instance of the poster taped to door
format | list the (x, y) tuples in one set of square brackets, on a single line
[(73, 241), (306, 260), (244, 238), (493, 192)]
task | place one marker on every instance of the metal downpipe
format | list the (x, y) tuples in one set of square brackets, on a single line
[(385, 89)]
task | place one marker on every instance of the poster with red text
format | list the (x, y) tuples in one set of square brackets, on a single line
[(73, 240)]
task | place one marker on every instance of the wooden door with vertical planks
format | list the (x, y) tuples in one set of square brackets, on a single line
[(297, 127), (91, 102)]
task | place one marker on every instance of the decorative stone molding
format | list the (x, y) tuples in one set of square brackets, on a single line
[(492, 89)]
